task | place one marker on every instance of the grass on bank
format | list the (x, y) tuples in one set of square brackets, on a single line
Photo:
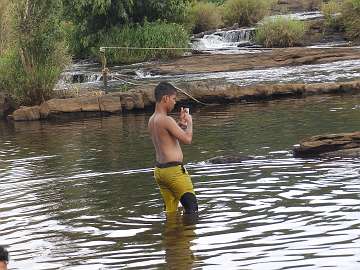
[(150, 35), (280, 32), (205, 16), (246, 12), (351, 19), (343, 16)]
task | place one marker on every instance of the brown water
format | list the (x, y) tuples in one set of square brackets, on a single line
[(80, 194)]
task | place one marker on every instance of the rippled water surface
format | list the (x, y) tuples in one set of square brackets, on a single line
[(80, 194)]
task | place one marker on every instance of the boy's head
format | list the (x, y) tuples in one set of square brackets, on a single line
[(4, 258), (164, 89)]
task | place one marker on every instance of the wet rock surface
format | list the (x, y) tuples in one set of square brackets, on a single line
[(205, 63), (330, 145)]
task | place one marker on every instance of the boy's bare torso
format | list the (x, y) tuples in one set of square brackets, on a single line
[(166, 145)]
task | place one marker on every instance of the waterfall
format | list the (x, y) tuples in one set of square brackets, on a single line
[(224, 39)]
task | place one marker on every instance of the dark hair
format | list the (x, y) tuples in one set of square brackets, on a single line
[(4, 254), (164, 89)]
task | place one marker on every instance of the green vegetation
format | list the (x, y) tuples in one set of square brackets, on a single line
[(4, 26), (30, 68), (280, 32), (90, 22), (205, 16), (150, 35), (246, 12), (343, 15), (351, 18)]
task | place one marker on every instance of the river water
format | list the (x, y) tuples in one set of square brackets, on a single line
[(80, 194)]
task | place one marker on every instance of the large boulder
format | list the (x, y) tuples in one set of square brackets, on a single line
[(27, 114), (64, 105), (70, 105), (330, 145), (110, 104), (131, 100), (89, 104)]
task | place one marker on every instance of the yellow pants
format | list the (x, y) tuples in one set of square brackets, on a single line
[(173, 182)]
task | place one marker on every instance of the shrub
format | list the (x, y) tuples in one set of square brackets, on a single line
[(31, 67), (351, 18), (150, 35), (28, 86), (280, 32), (205, 16), (331, 11), (246, 12)]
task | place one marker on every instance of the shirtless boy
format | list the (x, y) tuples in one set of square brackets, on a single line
[(171, 176)]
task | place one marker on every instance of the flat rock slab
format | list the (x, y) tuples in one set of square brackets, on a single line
[(330, 145), (276, 57)]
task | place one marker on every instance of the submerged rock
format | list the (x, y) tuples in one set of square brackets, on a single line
[(235, 158), (330, 145)]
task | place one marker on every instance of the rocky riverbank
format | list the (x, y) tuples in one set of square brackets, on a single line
[(208, 91)]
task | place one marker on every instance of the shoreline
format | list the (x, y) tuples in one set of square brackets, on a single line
[(141, 98)]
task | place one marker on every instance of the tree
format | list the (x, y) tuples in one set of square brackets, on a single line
[(90, 20), (167, 10)]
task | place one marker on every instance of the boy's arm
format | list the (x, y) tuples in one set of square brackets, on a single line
[(184, 136)]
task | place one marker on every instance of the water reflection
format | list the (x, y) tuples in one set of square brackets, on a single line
[(176, 238)]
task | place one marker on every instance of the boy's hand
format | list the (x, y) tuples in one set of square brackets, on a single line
[(183, 118)]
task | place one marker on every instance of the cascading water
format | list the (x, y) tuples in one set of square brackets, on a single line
[(224, 39), (230, 40)]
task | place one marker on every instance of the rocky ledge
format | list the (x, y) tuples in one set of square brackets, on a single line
[(330, 145), (276, 57), (209, 91)]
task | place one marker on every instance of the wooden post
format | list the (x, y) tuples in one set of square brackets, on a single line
[(105, 70)]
